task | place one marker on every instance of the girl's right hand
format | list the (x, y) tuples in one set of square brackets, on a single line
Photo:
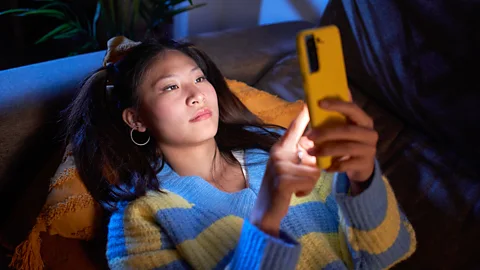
[(286, 174)]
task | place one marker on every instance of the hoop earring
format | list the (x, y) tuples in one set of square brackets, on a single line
[(139, 144)]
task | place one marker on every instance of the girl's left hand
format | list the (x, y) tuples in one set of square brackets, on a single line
[(352, 146)]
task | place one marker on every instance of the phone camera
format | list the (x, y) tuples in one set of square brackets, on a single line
[(312, 53)]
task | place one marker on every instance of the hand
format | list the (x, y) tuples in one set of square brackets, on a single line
[(284, 176), (352, 146)]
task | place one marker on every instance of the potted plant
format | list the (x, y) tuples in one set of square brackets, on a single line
[(133, 19)]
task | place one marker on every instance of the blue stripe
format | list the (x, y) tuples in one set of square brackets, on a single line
[(166, 241), (225, 260), (395, 252), (116, 246), (313, 217), (332, 206), (367, 210), (190, 222), (336, 265)]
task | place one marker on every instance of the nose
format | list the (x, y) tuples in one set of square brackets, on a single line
[(195, 96)]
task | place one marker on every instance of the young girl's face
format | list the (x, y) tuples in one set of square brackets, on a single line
[(178, 105)]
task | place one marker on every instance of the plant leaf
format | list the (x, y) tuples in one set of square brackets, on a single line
[(98, 11), (181, 10), (46, 12), (136, 12), (53, 4), (91, 45), (144, 11), (16, 10), (176, 2), (68, 34), (58, 29)]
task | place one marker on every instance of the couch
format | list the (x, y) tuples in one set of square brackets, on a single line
[(438, 192)]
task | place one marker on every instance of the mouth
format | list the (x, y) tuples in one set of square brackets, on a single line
[(201, 114)]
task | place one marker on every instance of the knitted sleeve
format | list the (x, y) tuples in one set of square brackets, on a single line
[(136, 241), (377, 232)]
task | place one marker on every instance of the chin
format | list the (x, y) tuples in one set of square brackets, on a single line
[(205, 132)]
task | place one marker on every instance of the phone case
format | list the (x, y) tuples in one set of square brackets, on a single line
[(329, 81)]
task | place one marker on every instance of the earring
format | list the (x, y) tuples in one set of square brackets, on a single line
[(133, 140)]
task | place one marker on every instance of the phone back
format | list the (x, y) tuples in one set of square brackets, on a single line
[(322, 66)]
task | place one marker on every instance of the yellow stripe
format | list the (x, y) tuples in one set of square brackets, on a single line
[(143, 234), (318, 250), (139, 223), (381, 238), (213, 243), (167, 200), (322, 189)]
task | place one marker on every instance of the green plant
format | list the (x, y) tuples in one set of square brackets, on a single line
[(115, 19)]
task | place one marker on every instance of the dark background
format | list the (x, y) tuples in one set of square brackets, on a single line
[(18, 35)]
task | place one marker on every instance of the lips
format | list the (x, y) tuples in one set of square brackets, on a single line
[(201, 114)]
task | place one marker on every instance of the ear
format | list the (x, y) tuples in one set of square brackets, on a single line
[(132, 119)]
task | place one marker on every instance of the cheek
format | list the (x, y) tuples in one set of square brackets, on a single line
[(163, 115), (211, 96)]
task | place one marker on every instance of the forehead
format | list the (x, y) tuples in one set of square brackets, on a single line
[(171, 60)]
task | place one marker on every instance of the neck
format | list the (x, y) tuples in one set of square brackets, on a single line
[(193, 160)]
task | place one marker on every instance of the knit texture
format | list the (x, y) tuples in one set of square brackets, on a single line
[(195, 225)]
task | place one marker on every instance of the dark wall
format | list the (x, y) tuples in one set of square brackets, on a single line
[(18, 35)]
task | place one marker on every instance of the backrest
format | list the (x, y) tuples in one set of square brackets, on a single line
[(31, 98)]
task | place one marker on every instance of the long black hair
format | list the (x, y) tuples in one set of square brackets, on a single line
[(110, 165)]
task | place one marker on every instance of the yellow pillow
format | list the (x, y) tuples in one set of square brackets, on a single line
[(71, 212)]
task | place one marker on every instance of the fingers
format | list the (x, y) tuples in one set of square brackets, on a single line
[(296, 129), (303, 144), (288, 168), (350, 110), (293, 184), (355, 167), (343, 148), (278, 154), (346, 132)]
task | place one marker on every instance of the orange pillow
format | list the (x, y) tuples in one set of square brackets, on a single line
[(70, 210), (271, 109)]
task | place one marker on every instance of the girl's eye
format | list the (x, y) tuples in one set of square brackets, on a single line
[(170, 88), (200, 79)]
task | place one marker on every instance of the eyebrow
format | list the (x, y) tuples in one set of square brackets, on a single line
[(170, 75)]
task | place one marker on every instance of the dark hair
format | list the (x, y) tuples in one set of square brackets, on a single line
[(110, 165)]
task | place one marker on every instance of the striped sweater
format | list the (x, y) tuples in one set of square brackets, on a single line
[(195, 225)]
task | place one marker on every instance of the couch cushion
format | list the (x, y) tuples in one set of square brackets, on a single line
[(284, 79), (70, 211), (32, 96), (247, 54)]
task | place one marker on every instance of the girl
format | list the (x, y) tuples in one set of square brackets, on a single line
[(193, 179)]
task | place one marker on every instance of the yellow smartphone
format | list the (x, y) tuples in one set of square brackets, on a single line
[(320, 56)]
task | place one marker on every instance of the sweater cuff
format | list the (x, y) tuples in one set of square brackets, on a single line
[(366, 210), (259, 250)]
